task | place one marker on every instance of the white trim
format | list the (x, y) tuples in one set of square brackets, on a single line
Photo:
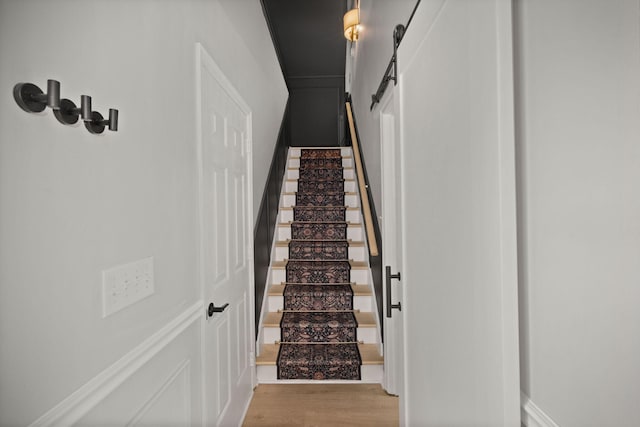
[(80, 402), (207, 61), (508, 223), (199, 215), (386, 111), (532, 415)]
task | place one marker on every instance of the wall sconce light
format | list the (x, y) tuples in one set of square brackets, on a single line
[(351, 23), (31, 99)]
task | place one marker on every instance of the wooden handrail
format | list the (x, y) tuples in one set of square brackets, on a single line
[(364, 199)]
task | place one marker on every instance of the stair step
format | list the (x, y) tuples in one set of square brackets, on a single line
[(369, 352), (297, 151), (294, 173), (355, 265), (350, 200), (291, 185), (359, 272), (358, 290), (353, 215), (355, 231), (349, 223), (372, 369), (344, 156), (366, 331), (294, 162), (293, 193), (285, 243), (362, 297), (356, 250), (364, 319)]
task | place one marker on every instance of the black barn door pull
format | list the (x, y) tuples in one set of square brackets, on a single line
[(389, 305)]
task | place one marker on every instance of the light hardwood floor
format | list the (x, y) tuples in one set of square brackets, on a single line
[(321, 405)]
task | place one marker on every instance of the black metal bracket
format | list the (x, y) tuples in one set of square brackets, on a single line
[(391, 73), (398, 34)]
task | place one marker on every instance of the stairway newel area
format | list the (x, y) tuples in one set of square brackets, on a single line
[(319, 318)]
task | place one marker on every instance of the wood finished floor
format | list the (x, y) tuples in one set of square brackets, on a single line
[(321, 405)]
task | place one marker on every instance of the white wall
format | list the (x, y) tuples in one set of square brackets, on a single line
[(73, 204), (372, 53), (578, 105)]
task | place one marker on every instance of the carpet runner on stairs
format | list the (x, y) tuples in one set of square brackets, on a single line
[(318, 327)]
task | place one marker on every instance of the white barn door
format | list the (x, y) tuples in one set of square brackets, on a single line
[(224, 140), (459, 273)]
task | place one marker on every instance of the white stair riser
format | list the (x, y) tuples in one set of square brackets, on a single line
[(356, 253), (371, 374), (366, 335), (360, 302), (292, 186), (354, 233), (278, 275), (347, 174), (352, 215), (359, 276), (267, 374), (296, 151)]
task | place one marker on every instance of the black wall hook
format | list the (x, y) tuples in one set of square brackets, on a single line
[(31, 98), (68, 113), (94, 122)]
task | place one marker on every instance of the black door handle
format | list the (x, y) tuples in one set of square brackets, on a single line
[(213, 309), (390, 306)]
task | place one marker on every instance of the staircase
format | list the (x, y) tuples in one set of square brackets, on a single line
[(358, 312)]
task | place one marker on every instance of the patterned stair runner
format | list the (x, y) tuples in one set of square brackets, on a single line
[(318, 326)]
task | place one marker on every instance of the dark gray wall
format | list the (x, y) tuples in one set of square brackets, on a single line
[(268, 215), (317, 115), (309, 41)]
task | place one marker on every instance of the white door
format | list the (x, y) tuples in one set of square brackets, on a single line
[(224, 125), (459, 257), (392, 246)]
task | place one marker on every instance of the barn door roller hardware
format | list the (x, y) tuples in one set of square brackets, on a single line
[(391, 74)]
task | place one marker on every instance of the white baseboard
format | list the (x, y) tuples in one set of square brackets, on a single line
[(532, 415), (79, 403)]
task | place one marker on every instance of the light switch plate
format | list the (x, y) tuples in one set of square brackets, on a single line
[(126, 284)]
